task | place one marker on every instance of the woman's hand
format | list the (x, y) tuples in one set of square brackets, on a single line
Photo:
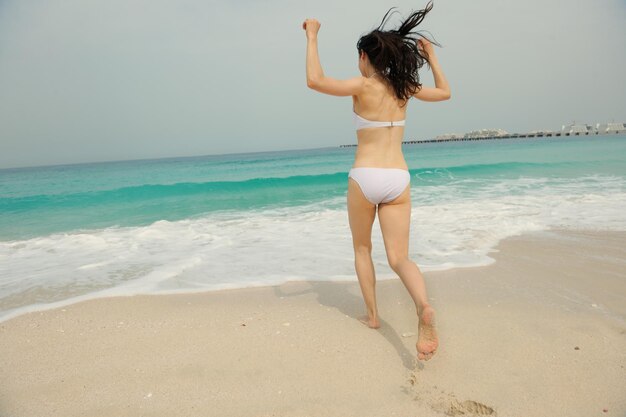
[(311, 26), (425, 45)]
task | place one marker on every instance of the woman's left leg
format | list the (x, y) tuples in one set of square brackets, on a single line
[(361, 214)]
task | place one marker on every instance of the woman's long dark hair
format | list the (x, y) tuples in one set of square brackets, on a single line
[(395, 55)]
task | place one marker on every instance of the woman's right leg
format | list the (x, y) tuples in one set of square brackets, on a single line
[(395, 219), (361, 214)]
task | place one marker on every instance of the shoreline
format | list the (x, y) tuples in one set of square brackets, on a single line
[(127, 289), (530, 334)]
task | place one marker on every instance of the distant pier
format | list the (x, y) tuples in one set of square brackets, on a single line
[(506, 136)]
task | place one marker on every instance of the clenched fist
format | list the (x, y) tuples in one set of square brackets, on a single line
[(311, 26)]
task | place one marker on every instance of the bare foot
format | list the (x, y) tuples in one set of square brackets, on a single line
[(427, 340), (372, 323)]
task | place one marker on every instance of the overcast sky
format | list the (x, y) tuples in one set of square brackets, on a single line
[(100, 80)]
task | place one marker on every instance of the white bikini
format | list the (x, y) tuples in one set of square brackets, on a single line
[(379, 185), (362, 123)]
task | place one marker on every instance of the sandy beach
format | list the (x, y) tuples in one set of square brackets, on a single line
[(540, 332)]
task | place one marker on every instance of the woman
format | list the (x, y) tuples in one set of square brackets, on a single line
[(379, 179)]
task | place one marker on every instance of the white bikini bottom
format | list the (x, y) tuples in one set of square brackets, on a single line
[(380, 185)]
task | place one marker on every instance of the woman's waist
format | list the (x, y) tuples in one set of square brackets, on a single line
[(377, 161), (381, 170), (402, 167)]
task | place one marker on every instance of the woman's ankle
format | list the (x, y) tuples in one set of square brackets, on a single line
[(420, 309)]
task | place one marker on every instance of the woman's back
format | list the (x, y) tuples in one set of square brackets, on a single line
[(379, 146)]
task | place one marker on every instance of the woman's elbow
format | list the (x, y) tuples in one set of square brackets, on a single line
[(312, 83), (446, 95)]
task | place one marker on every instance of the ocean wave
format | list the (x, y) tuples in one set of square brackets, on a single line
[(277, 186), (156, 191), (450, 227)]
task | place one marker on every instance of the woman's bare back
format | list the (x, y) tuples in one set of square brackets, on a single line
[(379, 147)]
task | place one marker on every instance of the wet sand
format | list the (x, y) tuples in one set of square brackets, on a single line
[(541, 332)]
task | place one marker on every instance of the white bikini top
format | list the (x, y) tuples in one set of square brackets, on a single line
[(363, 123)]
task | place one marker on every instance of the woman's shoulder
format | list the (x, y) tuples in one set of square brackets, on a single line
[(373, 87), (378, 90)]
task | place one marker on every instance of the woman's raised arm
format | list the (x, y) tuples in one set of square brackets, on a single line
[(315, 78), (441, 91)]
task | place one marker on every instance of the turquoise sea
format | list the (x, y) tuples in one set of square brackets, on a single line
[(193, 224)]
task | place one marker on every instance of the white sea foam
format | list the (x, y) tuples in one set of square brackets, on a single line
[(452, 225)]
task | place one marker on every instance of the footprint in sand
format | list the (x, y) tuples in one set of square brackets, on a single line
[(449, 406), (468, 407)]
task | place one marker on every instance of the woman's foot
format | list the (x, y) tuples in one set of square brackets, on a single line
[(370, 322), (427, 340)]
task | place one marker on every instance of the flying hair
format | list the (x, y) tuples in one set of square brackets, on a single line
[(394, 53)]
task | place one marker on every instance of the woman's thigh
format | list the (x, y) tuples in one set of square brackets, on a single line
[(361, 214), (395, 222)]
